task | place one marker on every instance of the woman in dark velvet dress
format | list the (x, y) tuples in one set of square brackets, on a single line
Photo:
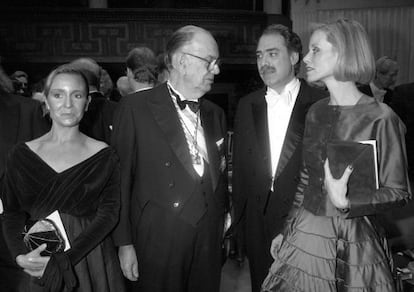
[(67, 171), (332, 241)]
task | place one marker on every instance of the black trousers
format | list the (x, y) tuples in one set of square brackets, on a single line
[(258, 242), (174, 256)]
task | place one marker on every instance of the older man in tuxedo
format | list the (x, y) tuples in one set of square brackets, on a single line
[(267, 150), (173, 185)]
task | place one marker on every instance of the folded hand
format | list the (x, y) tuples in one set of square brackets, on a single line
[(33, 263)]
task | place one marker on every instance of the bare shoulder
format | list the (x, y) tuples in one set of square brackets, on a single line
[(94, 145), (37, 143)]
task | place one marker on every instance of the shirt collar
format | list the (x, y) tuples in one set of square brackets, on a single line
[(377, 91), (272, 96)]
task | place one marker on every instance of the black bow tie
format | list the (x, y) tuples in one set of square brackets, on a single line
[(193, 105)]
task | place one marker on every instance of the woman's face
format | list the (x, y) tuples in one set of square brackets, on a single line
[(67, 100), (321, 59)]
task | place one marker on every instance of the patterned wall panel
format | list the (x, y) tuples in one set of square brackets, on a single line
[(108, 34)]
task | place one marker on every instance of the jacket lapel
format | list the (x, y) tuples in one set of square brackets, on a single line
[(294, 132), (259, 114), (208, 124), (165, 114)]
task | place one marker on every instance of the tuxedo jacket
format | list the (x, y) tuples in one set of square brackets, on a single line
[(155, 162), (97, 120), (21, 119), (403, 104), (252, 170)]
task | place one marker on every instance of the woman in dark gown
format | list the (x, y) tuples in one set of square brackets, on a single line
[(332, 241), (67, 171)]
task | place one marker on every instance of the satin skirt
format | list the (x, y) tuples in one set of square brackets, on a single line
[(323, 254)]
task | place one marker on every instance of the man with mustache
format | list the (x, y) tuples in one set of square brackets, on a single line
[(173, 173), (267, 150)]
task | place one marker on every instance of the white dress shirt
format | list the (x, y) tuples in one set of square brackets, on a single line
[(194, 132), (377, 92), (279, 110)]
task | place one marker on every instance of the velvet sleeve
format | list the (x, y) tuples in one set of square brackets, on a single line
[(105, 219), (394, 187), (123, 140)]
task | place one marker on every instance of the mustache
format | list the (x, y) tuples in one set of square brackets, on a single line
[(267, 69)]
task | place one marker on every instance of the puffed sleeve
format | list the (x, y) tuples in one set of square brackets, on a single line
[(394, 187)]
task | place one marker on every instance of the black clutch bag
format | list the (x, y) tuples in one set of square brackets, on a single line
[(44, 231), (364, 178)]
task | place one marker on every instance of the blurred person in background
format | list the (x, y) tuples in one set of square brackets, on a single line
[(21, 83), (123, 86), (141, 69), (163, 72), (97, 121), (385, 77)]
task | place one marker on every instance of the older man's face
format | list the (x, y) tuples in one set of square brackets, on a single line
[(201, 59)]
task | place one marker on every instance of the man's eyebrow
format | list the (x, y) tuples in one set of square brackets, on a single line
[(269, 50)]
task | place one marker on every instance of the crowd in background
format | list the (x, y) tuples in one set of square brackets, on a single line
[(150, 104)]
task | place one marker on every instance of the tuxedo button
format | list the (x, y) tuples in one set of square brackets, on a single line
[(258, 198), (167, 164), (176, 204), (171, 184)]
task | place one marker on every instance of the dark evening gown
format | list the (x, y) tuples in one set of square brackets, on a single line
[(325, 249), (87, 195)]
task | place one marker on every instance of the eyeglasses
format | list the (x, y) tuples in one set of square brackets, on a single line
[(211, 64)]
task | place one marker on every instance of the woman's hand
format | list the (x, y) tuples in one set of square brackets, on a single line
[(337, 188), (33, 263)]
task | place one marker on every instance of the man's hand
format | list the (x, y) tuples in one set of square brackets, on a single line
[(129, 262), (276, 243), (33, 263)]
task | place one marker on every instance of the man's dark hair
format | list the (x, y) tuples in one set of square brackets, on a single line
[(293, 42), (143, 64)]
